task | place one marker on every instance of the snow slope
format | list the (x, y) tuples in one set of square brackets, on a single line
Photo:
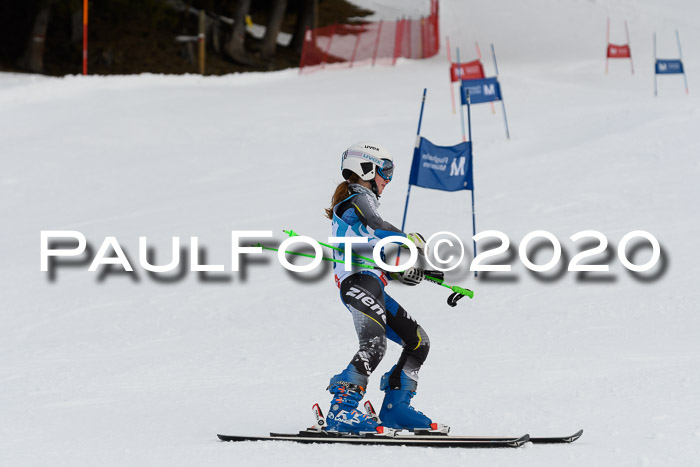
[(128, 369)]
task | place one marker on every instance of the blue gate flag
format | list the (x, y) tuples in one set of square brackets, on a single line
[(481, 90), (668, 67), (446, 168)]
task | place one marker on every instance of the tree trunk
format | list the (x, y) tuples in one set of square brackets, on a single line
[(272, 30), (215, 32), (305, 19), (33, 59), (235, 46), (77, 26)]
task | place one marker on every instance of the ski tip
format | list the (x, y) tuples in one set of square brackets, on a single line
[(557, 439), (520, 441), (575, 436)]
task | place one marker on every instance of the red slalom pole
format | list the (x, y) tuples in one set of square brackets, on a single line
[(85, 37)]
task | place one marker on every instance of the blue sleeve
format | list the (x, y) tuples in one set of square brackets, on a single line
[(387, 233)]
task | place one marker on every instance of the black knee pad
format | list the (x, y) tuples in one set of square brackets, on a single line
[(415, 351), (419, 347)]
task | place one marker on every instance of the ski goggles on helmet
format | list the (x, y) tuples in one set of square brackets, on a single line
[(386, 171)]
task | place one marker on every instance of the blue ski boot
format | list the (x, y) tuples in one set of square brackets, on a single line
[(348, 388), (396, 410)]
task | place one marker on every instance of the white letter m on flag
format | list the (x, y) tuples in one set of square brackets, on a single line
[(456, 169)]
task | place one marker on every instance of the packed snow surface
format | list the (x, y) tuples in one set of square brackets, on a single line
[(108, 368)]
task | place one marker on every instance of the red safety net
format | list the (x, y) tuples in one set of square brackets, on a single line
[(348, 45), (619, 51), (467, 71)]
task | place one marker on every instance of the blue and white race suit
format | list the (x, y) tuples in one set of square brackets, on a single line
[(375, 314)]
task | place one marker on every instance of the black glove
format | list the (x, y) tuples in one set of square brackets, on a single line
[(435, 276), (411, 276)]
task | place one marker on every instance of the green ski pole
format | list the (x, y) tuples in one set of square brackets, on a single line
[(454, 288), (367, 266), (292, 233)]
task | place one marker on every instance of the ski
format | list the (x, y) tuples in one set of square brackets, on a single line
[(534, 440), (438, 429), (435, 436), (442, 441)]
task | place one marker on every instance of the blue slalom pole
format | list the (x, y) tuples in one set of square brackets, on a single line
[(493, 54), (469, 120), (469, 114), (656, 89), (422, 106), (680, 55), (473, 215), (503, 104), (408, 193)]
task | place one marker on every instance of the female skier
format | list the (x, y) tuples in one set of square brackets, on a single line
[(368, 168)]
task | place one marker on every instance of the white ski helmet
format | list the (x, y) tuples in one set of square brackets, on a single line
[(365, 160)]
